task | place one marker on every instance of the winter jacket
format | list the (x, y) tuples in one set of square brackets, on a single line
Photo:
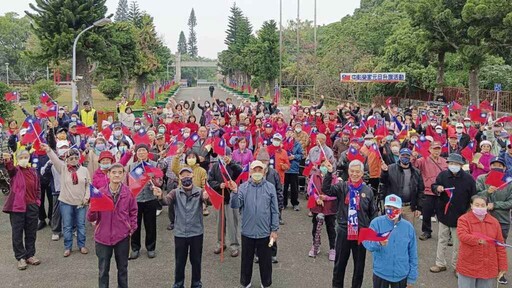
[(508, 161), (501, 199), (465, 188), (273, 177), (393, 183), (476, 260), (429, 170), (114, 226), (303, 138), (330, 203), (188, 211), (199, 177), (215, 178), (258, 205), (367, 206), (296, 151), (16, 199), (242, 158), (373, 160), (399, 258), (485, 159), (99, 179), (279, 161), (339, 147)]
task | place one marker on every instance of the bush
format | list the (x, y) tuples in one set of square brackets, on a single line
[(43, 86), (110, 88), (6, 108), (286, 94)]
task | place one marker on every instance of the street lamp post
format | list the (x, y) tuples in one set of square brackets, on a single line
[(168, 69), (7, 73), (74, 91)]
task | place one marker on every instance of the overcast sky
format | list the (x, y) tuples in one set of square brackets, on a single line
[(171, 16)]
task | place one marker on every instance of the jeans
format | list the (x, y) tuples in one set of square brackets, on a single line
[(343, 249), (469, 282), (291, 181), (381, 283), (72, 215), (24, 223), (104, 254), (443, 236), (181, 252), (260, 246)]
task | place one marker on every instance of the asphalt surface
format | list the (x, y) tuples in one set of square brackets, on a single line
[(295, 268)]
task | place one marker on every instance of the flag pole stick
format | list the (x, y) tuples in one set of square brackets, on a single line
[(222, 228)]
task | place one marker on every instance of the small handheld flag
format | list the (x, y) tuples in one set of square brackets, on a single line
[(99, 202), (368, 234)]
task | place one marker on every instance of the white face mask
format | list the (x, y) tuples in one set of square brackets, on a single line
[(298, 130), (242, 128), (454, 168), (459, 130), (136, 127), (118, 133), (276, 143), (186, 135), (439, 131), (368, 142), (23, 163)]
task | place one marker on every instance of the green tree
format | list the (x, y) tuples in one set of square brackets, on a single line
[(6, 107), (182, 44), (57, 22), (233, 23), (122, 11), (14, 33), (43, 86), (147, 61), (192, 38), (135, 15), (111, 88)]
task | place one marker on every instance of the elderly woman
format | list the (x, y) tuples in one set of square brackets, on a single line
[(481, 161), (22, 205), (74, 179), (480, 261)]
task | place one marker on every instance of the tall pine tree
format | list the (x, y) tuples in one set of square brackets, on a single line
[(233, 20), (122, 11), (182, 44), (192, 39), (135, 15), (57, 23)]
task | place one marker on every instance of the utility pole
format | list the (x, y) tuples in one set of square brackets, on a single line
[(280, 43), (298, 47)]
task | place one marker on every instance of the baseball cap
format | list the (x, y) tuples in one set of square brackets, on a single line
[(186, 169), (499, 160), (257, 163), (405, 151), (393, 201), (436, 144), (277, 136), (62, 143)]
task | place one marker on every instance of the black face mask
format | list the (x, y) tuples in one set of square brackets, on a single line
[(186, 182)]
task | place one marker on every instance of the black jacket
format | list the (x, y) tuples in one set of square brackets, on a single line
[(367, 205), (465, 188), (273, 177), (393, 183), (215, 178)]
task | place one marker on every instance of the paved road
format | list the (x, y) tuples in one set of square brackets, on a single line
[(294, 269)]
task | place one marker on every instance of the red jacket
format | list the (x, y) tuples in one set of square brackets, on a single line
[(16, 200), (476, 260)]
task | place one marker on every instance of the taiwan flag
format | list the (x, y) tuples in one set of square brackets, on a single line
[(353, 154), (244, 176), (449, 192), (468, 151), (137, 179), (456, 106), (308, 168), (486, 106), (224, 172), (99, 201), (173, 149), (389, 100), (143, 98), (141, 137), (11, 96), (312, 195), (154, 172), (219, 146), (215, 198), (152, 93), (45, 98), (191, 140), (368, 234), (497, 179)]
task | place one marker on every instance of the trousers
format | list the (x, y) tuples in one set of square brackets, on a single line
[(56, 222), (443, 236), (291, 181), (469, 282), (330, 226), (24, 231), (146, 213), (231, 227), (182, 246), (343, 249), (264, 253), (104, 254), (428, 210), (381, 283)]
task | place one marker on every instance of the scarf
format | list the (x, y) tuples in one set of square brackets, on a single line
[(354, 190), (74, 176)]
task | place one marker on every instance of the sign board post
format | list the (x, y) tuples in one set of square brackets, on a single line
[(497, 89)]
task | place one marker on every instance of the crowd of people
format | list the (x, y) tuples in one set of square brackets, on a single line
[(380, 169)]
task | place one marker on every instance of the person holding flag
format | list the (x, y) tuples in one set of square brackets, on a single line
[(395, 259), (356, 208), (454, 188), (482, 256), (123, 217), (224, 185), (257, 199)]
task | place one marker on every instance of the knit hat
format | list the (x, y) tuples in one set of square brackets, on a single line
[(106, 154), (141, 145)]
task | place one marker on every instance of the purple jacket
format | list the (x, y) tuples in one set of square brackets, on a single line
[(16, 200), (242, 158), (485, 160), (114, 226)]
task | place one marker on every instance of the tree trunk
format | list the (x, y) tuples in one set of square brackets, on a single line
[(125, 81), (440, 73), (84, 85), (473, 85), (139, 85)]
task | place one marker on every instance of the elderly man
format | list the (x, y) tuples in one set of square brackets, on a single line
[(316, 152), (455, 188), (429, 168), (257, 200), (404, 180), (356, 208)]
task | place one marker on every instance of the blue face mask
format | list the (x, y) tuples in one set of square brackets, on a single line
[(405, 160), (323, 169), (389, 137)]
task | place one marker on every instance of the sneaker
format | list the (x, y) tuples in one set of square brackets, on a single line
[(450, 242), (206, 212), (503, 280), (134, 255), (55, 237), (22, 264), (281, 222), (158, 212), (332, 254), (41, 225), (312, 252), (310, 214), (296, 208), (256, 259), (425, 236), (84, 250), (151, 254), (33, 261), (437, 269), (433, 219), (274, 259)]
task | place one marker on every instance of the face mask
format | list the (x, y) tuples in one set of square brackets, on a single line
[(23, 163), (73, 119), (191, 161), (392, 213), (100, 147), (395, 149), (323, 169), (498, 169), (186, 182), (433, 124), (105, 166), (215, 109), (207, 105), (479, 211), (405, 160), (467, 124), (298, 130), (389, 137), (257, 176), (276, 143), (454, 168), (118, 133), (368, 143), (459, 130), (136, 127), (61, 152), (242, 128), (186, 135), (439, 131), (161, 131), (122, 149)]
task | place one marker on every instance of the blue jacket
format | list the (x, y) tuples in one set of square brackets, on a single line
[(508, 162), (258, 206), (399, 258), (297, 152)]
